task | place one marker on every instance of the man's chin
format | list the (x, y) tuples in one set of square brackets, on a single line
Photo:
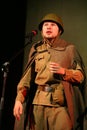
[(49, 37)]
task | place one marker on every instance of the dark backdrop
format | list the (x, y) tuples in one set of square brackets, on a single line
[(12, 27)]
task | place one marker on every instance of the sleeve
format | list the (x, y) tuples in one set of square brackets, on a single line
[(23, 86), (27, 77), (74, 76)]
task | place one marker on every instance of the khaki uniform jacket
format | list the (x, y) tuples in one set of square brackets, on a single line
[(37, 73)]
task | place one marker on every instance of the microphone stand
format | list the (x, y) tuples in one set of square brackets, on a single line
[(5, 70)]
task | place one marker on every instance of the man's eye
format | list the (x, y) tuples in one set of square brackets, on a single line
[(45, 24), (53, 24)]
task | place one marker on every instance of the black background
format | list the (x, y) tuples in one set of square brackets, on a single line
[(12, 30)]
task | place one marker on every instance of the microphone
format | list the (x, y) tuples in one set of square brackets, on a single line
[(31, 34)]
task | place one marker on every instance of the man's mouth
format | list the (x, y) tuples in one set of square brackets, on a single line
[(48, 32)]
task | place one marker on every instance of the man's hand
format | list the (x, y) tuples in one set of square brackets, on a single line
[(18, 109), (56, 68)]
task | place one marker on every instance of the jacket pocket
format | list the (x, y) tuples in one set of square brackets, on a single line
[(58, 96), (39, 62)]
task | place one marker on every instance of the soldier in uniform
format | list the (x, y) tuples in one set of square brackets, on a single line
[(52, 83)]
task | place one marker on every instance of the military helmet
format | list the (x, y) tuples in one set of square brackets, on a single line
[(53, 18)]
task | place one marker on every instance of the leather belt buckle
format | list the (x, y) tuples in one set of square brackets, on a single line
[(48, 89)]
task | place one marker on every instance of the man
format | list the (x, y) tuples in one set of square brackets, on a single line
[(54, 79)]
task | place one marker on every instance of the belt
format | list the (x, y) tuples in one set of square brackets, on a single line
[(45, 88)]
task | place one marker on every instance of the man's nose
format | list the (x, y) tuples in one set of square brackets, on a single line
[(49, 26)]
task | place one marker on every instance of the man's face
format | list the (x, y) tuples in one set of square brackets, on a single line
[(50, 30)]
